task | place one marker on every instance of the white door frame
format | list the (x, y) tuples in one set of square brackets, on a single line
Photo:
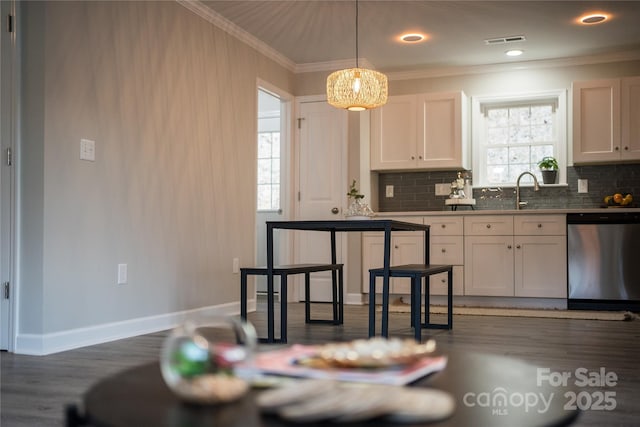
[(8, 139), (286, 162), (344, 170)]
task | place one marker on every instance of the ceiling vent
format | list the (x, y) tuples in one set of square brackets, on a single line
[(503, 40)]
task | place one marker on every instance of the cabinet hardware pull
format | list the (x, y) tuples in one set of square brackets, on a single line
[(396, 246), (420, 157), (626, 148), (444, 226), (508, 246), (617, 148), (539, 225), (488, 225), (413, 157), (444, 250), (518, 247), (443, 281)]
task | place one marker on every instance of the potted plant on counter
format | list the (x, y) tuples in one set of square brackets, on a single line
[(549, 168)]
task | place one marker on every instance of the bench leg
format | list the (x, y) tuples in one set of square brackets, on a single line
[(307, 298), (427, 301), (340, 296), (243, 294), (450, 300), (283, 308), (334, 297), (372, 305), (416, 290), (385, 308)]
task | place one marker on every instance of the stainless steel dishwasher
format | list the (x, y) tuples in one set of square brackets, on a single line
[(603, 253)]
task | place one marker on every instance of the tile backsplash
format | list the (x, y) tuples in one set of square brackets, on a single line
[(415, 191)]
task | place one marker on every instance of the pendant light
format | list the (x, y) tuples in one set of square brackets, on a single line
[(357, 89)]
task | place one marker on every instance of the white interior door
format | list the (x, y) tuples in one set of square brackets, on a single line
[(7, 97), (322, 187)]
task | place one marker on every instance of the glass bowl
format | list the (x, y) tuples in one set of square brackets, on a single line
[(198, 358)]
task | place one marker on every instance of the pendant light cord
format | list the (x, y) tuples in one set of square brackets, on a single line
[(357, 66)]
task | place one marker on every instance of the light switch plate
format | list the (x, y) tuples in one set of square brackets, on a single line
[(122, 274), (87, 150), (583, 186), (389, 191)]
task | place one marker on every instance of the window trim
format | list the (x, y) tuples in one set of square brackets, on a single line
[(478, 104)]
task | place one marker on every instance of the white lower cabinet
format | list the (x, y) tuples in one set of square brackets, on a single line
[(523, 255), (541, 266), (488, 267), (527, 260)]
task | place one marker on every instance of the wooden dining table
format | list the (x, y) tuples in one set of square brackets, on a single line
[(334, 226)]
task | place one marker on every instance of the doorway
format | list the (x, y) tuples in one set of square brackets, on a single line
[(322, 167), (273, 173)]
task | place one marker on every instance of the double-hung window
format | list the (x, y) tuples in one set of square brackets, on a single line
[(512, 134), (268, 171)]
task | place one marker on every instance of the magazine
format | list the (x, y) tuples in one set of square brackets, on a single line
[(290, 362)]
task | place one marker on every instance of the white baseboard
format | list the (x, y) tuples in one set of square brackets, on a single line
[(356, 299), (43, 344)]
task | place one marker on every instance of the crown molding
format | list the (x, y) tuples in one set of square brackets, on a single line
[(232, 29), (631, 55), (333, 65)]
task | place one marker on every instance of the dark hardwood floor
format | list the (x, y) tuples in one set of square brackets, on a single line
[(34, 390)]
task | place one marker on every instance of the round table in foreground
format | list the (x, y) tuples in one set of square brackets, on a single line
[(489, 391)]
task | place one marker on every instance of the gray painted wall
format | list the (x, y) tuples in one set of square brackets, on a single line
[(170, 101)]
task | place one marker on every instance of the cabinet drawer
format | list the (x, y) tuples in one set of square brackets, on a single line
[(540, 225), (488, 225), (447, 250), (445, 225)]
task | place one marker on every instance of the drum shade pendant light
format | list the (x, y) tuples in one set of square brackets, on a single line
[(356, 89)]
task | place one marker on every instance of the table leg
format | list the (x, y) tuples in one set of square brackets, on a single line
[(385, 281), (270, 299), (334, 278)]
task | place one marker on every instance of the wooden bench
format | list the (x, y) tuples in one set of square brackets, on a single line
[(283, 272), (416, 272)]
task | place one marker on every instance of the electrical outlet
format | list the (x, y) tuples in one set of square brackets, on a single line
[(236, 265), (389, 191), (443, 189), (122, 274), (583, 186), (87, 150)]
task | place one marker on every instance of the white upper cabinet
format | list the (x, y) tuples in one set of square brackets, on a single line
[(605, 120), (418, 132), (630, 119)]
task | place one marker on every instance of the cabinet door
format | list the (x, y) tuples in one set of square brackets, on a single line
[(406, 249), (488, 267), (596, 121), (630, 118), (393, 134), (441, 141), (446, 250), (438, 282), (541, 266)]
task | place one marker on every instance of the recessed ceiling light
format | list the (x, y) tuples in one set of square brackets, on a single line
[(412, 37), (514, 52), (593, 18)]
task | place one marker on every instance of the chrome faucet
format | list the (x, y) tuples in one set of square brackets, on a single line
[(536, 187)]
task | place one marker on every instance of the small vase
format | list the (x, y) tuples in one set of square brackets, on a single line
[(358, 208)]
